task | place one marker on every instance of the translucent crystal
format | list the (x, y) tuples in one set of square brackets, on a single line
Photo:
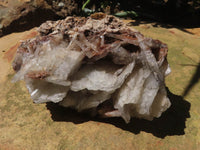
[(95, 63)]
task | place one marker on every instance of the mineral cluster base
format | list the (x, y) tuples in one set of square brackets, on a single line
[(96, 63)]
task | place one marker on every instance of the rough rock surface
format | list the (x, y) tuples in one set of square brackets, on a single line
[(95, 63), (25, 125), (20, 15)]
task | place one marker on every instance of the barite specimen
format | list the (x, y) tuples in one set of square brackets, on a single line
[(96, 63)]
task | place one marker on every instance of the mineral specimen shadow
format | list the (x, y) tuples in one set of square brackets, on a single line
[(172, 122), (193, 81)]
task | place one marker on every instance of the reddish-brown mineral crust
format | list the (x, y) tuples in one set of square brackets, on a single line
[(9, 55), (38, 75), (110, 27)]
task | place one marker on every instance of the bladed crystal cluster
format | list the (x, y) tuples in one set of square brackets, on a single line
[(96, 63)]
